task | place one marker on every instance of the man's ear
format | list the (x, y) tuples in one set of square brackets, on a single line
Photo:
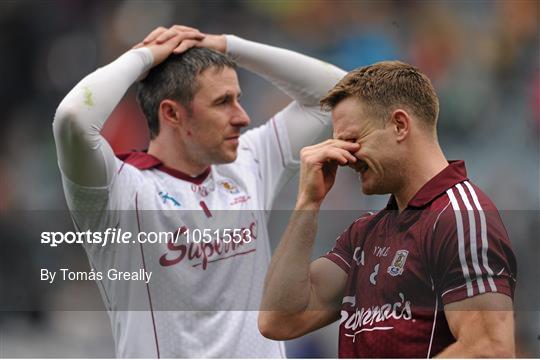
[(172, 114), (401, 124)]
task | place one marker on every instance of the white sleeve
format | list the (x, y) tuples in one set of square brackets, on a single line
[(87, 162), (84, 156), (303, 78)]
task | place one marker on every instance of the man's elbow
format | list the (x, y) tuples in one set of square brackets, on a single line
[(275, 327), (501, 351), (65, 116), (495, 349), (68, 123)]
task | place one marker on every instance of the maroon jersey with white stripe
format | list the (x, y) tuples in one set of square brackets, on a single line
[(449, 244)]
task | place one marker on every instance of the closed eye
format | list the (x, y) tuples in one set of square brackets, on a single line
[(351, 140)]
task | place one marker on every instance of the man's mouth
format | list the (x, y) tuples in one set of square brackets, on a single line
[(360, 166), (363, 167)]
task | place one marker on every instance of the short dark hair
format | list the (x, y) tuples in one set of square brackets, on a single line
[(386, 84), (176, 79)]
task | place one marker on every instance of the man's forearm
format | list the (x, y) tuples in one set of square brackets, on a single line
[(287, 286), (303, 78)]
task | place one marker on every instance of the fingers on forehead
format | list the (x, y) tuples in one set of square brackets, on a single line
[(183, 27)]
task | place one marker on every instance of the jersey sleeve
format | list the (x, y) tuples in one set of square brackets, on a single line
[(349, 245), (342, 254), (471, 252)]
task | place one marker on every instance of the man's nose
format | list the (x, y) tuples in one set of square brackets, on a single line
[(240, 118)]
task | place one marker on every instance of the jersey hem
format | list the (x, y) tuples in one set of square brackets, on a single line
[(339, 261), (460, 293)]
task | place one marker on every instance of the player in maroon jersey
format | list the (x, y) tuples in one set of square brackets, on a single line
[(431, 274)]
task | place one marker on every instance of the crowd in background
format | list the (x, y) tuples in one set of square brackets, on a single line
[(482, 57)]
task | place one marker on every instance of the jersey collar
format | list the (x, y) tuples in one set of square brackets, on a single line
[(451, 175), (144, 161)]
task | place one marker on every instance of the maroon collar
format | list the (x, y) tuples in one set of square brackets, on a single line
[(145, 161), (451, 175)]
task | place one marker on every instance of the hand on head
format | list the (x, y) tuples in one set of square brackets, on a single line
[(177, 39)]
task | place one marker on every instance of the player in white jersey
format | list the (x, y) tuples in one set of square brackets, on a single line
[(201, 299)]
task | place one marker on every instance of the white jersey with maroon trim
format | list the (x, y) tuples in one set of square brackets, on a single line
[(201, 300)]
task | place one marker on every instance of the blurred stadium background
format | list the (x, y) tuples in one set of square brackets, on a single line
[(482, 56)]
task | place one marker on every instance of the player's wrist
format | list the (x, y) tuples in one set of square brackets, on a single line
[(216, 42), (303, 203), (222, 43)]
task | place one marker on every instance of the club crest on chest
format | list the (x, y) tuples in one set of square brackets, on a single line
[(398, 263), (229, 187)]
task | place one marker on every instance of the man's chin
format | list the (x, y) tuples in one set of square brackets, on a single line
[(371, 189), (227, 158), (368, 191)]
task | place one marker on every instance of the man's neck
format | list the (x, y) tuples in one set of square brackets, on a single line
[(428, 162), (170, 157)]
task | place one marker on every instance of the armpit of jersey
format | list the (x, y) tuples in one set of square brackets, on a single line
[(304, 126), (267, 147)]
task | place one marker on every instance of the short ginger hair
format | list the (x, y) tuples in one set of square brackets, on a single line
[(385, 86)]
